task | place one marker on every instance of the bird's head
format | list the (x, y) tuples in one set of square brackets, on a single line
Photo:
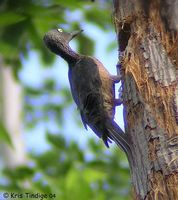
[(57, 39)]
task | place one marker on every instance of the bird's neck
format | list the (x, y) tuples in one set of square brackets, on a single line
[(68, 54)]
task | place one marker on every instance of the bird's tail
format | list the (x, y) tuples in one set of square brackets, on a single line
[(116, 134)]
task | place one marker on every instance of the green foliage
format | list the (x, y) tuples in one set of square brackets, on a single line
[(9, 18), (28, 22), (88, 42), (65, 169), (49, 102), (4, 135)]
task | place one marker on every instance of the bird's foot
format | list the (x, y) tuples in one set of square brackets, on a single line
[(118, 102), (116, 78)]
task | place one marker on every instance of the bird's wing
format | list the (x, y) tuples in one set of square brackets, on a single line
[(86, 90)]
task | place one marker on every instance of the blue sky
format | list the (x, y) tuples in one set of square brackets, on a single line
[(33, 74)]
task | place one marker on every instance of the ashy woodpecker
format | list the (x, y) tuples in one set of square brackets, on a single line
[(92, 88)]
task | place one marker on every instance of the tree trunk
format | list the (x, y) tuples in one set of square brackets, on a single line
[(148, 42), (10, 116)]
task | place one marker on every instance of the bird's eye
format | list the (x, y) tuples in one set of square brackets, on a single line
[(60, 30)]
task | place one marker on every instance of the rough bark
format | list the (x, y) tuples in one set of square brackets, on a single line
[(148, 41)]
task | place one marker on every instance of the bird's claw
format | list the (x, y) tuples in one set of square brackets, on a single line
[(116, 78)]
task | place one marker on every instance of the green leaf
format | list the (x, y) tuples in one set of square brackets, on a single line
[(21, 172), (9, 18), (100, 17), (56, 140), (4, 135), (72, 4), (93, 175), (88, 48), (6, 48), (77, 186), (111, 46)]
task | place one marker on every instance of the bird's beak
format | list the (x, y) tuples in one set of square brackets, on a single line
[(75, 33)]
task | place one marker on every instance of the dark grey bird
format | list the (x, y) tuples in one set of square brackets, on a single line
[(92, 87)]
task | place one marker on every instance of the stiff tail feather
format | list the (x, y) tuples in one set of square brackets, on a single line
[(116, 134)]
